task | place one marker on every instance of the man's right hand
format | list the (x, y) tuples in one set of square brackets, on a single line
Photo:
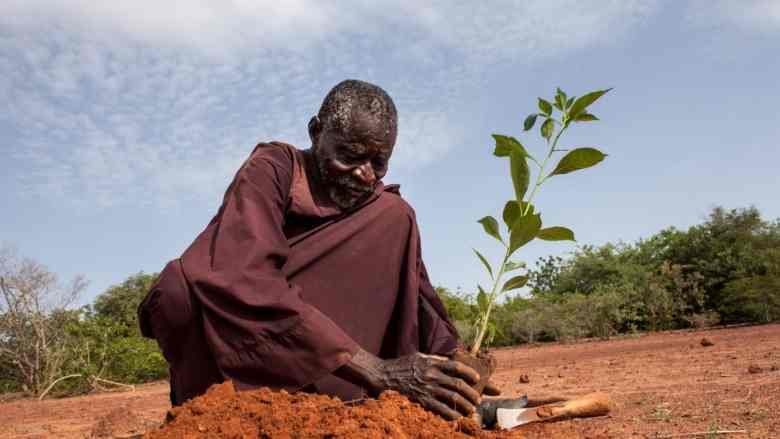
[(440, 385)]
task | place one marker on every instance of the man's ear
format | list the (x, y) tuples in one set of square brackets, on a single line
[(315, 129)]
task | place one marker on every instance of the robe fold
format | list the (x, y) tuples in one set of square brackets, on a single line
[(281, 288)]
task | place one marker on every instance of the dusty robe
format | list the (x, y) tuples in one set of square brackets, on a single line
[(281, 288)]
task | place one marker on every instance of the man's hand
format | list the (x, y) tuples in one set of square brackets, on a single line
[(440, 385), (491, 389)]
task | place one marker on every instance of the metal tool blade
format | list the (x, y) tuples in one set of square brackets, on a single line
[(510, 418)]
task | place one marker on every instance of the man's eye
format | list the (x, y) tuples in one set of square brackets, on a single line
[(351, 158)]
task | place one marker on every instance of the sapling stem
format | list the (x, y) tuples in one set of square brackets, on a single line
[(522, 219), (485, 318)]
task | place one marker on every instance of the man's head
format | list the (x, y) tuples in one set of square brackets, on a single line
[(352, 138)]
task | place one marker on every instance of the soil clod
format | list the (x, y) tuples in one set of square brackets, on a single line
[(120, 423), (222, 412), (706, 342)]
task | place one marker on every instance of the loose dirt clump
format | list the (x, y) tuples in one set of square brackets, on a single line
[(118, 423), (225, 413)]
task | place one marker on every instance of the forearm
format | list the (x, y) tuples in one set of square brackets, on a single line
[(363, 370)]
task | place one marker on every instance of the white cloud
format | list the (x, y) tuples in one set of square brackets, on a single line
[(136, 102), (748, 15)]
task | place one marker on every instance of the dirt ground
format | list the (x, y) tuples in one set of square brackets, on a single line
[(663, 385)]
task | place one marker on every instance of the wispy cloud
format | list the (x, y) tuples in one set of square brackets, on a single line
[(109, 102), (747, 15)]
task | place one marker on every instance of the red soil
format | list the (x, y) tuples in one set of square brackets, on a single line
[(222, 412), (662, 384)]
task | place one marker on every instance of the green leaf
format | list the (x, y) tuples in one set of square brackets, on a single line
[(511, 213), (521, 176), (484, 261), (501, 150), (545, 106), (511, 266), (576, 159), (547, 128), (556, 234), (570, 101), (561, 93), (525, 229), (530, 121), (507, 144), (482, 299), (585, 117), (491, 227), (583, 102), (560, 99), (515, 283), (492, 330)]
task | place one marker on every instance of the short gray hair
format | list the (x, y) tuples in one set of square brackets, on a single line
[(337, 109)]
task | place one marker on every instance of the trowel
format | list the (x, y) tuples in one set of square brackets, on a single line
[(594, 404)]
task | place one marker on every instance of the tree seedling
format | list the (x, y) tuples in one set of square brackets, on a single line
[(523, 221)]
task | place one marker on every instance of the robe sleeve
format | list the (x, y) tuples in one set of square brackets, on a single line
[(437, 334), (258, 328)]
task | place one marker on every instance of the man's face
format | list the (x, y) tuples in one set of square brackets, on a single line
[(351, 163)]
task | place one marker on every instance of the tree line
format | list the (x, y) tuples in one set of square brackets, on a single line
[(725, 270)]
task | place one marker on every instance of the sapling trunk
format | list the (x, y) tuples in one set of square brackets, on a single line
[(523, 224)]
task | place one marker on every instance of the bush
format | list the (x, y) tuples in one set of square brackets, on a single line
[(529, 324), (100, 349), (33, 313), (755, 298), (703, 319), (120, 302)]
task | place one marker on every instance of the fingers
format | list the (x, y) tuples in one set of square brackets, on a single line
[(435, 357), (453, 400), (491, 389), (459, 370), (440, 409), (459, 386)]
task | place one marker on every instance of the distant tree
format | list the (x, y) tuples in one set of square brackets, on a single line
[(457, 304), (33, 315), (583, 272), (102, 350), (120, 302), (756, 297), (545, 277), (730, 245)]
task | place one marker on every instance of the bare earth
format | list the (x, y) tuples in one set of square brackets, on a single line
[(663, 385)]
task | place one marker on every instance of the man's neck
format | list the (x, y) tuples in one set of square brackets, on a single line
[(314, 178)]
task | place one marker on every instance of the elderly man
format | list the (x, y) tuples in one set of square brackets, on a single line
[(310, 276)]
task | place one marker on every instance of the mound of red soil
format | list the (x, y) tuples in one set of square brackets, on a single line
[(224, 413)]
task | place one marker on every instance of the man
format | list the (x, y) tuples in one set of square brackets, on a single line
[(310, 276)]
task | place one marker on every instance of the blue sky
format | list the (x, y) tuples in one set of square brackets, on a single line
[(123, 122)]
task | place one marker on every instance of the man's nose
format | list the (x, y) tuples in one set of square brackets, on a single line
[(365, 174)]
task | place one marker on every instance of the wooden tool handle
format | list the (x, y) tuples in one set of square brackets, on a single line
[(594, 404)]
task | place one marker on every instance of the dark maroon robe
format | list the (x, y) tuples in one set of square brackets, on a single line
[(282, 287)]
